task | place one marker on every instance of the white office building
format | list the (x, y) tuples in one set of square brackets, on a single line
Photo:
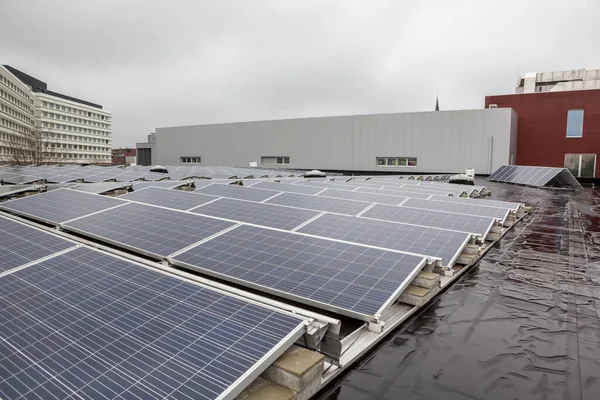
[(74, 130)]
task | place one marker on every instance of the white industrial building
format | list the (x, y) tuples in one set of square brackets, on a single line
[(559, 81), (77, 131), (432, 142)]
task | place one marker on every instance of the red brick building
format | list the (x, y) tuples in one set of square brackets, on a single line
[(556, 129), (124, 156)]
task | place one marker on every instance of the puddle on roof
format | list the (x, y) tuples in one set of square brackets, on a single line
[(523, 324)]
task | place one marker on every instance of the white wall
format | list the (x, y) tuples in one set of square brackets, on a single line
[(442, 141)]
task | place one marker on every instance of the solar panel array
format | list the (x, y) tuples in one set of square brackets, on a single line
[(175, 199), (432, 218), (469, 209), (490, 203), (535, 176), (339, 206), (85, 324), (368, 197), (60, 205), (21, 244), (349, 279), (157, 232), (237, 192)]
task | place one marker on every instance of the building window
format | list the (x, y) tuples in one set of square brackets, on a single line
[(190, 160), (281, 160), (575, 123), (396, 161), (581, 165)]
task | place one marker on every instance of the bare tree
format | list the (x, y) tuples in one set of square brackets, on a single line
[(37, 147)]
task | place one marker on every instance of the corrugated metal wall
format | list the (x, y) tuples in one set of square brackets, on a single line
[(443, 141)]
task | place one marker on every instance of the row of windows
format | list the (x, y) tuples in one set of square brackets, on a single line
[(15, 127), (190, 160), (396, 161), (75, 137), (15, 101), (77, 146), (10, 111), (73, 110), (14, 87), (52, 125), (7, 137), (73, 119), (9, 151), (281, 160)]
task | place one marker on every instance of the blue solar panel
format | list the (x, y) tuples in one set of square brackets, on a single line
[(237, 192), (339, 206), (21, 244), (176, 199), (85, 324), (349, 279), (283, 187), (435, 219), (268, 215), (431, 242), (153, 231), (60, 205), (369, 197)]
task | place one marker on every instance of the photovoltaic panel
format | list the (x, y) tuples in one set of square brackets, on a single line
[(470, 209), (430, 242), (154, 231), (395, 192), (481, 202), (368, 197), (340, 206), (100, 187), (535, 176), (353, 280), (22, 179), (263, 214), (435, 219), (161, 184), (284, 187), (21, 244), (176, 199), (60, 205), (237, 192), (85, 324)]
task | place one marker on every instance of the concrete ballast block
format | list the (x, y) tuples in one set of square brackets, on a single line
[(427, 280), (262, 389), (296, 369), (417, 296)]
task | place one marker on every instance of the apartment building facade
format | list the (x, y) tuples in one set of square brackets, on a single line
[(72, 130)]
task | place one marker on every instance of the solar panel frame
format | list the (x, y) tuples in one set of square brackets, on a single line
[(484, 211), (23, 244), (263, 214), (237, 192), (60, 205), (153, 231), (96, 345), (318, 203), (439, 244), (169, 198), (198, 258)]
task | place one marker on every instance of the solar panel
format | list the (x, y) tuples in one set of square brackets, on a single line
[(268, 215), (176, 199), (60, 205), (22, 179), (283, 187), (368, 197), (326, 204), (153, 231), (89, 325), (431, 242), (352, 280), (395, 192), (237, 192), (101, 187), (469, 209), (161, 184), (535, 176), (22, 244), (481, 202), (435, 219)]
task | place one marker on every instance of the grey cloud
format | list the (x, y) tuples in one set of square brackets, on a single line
[(165, 63)]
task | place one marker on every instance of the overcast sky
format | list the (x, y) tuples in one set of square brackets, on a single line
[(168, 63)]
